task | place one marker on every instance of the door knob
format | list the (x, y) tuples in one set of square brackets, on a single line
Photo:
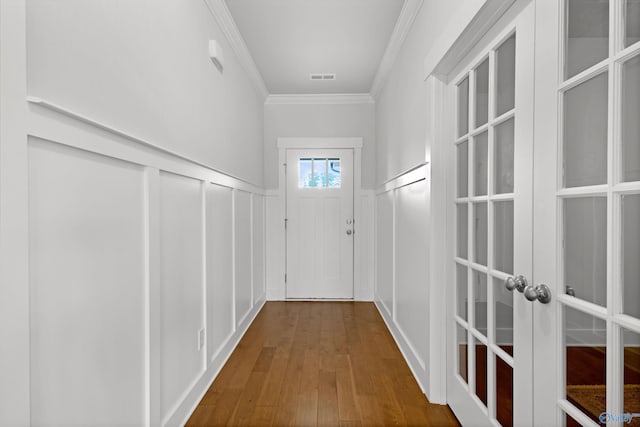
[(541, 293), (519, 282), (349, 232)]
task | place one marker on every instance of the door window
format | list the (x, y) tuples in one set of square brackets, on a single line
[(598, 198), (319, 173), (485, 228)]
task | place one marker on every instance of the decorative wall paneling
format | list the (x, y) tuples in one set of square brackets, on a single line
[(402, 285), (145, 268)]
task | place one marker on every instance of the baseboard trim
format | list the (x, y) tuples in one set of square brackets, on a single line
[(405, 348), (189, 404)]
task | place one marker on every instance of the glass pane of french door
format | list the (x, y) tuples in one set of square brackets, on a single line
[(588, 214), (492, 201)]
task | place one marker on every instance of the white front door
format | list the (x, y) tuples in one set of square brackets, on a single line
[(587, 213), (319, 224), (489, 373)]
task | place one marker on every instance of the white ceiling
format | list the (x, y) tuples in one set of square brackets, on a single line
[(291, 39)]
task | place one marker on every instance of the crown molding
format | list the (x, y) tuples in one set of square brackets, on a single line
[(472, 21), (221, 14), (408, 14), (320, 99)]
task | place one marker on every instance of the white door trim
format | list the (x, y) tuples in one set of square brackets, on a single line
[(354, 143), (321, 143)]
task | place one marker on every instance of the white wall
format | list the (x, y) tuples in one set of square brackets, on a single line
[(318, 120), (124, 300), (401, 107), (143, 67)]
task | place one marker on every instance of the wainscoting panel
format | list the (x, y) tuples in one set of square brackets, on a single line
[(182, 286), (364, 250), (220, 318), (403, 282), (275, 241), (87, 287), (384, 250), (258, 247), (243, 261), (412, 274), (146, 268)]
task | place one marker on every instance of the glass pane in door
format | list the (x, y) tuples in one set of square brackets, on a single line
[(630, 122), (482, 93), (481, 371), (463, 107), (480, 165), (463, 168), (506, 76), (585, 133), (587, 37), (503, 312), (462, 230), (632, 22), (503, 157), (585, 340), (480, 298), (461, 290), (631, 254), (461, 335), (503, 236), (504, 392), (480, 244), (585, 248)]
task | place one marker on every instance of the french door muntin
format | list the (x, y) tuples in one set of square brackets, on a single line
[(489, 383), (587, 237)]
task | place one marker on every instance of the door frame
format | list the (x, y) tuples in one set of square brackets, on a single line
[(322, 143)]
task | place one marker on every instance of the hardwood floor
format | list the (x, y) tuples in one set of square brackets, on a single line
[(318, 363)]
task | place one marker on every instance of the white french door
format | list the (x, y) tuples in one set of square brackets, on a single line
[(587, 213), (573, 317), (490, 375), (320, 223)]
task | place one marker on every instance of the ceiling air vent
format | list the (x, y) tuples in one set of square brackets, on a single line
[(322, 76)]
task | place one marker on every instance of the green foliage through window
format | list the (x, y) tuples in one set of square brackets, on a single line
[(319, 173)]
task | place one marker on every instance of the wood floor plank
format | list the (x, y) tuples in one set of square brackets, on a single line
[(327, 399), (307, 410), (317, 363), (347, 403), (248, 399), (263, 416)]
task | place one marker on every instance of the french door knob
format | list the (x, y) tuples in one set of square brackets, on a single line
[(541, 293), (519, 282), (349, 232)]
